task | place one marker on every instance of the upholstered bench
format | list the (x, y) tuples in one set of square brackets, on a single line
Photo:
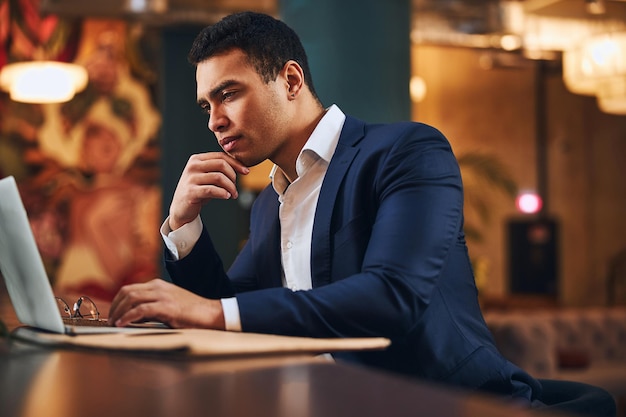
[(586, 345)]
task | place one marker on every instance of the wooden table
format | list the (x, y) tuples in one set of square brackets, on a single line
[(67, 383), (38, 381)]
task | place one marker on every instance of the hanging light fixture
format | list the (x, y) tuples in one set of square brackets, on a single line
[(595, 61), (597, 66), (611, 91), (592, 38), (612, 95), (37, 49), (577, 71), (43, 81)]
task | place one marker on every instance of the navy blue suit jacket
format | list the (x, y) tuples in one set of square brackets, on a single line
[(388, 258)]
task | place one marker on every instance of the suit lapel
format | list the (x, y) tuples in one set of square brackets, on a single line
[(351, 133), (272, 263), (264, 244)]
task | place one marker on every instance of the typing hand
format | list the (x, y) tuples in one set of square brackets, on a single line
[(206, 176), (158, 300)]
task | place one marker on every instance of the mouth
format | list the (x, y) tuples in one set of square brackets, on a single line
[(228, 143)]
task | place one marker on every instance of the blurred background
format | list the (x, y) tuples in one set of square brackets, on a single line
[(530, 93)]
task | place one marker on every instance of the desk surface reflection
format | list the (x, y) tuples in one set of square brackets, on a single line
[(36, 381)]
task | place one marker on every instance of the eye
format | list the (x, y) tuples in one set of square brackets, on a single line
[(205, 109), (227, 95)]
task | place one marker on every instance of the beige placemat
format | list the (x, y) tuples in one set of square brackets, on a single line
[(195, 342)]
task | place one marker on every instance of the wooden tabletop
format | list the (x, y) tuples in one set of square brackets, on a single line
[(75, 382), (35, 381)]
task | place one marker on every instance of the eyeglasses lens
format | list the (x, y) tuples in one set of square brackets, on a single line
[(85, 308), (64, 309)]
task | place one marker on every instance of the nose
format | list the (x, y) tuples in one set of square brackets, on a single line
[(217, 120)]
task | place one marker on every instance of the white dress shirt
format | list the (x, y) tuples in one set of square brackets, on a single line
[(298, 201)]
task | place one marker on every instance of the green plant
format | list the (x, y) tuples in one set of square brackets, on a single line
[(483, 173)]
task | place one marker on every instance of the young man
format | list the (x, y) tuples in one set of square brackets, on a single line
[(359, 234)]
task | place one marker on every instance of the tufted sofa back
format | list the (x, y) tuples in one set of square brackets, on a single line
[(546, 341)]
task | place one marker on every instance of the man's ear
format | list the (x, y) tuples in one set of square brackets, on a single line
[(294, 76)]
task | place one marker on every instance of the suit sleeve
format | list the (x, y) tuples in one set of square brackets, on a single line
[(416, 195), (256, 266), (202, 271)]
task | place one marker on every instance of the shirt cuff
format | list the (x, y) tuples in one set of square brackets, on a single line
[(231, 314), (181, 241)]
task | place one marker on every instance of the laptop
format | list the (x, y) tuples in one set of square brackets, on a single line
[(24, 273)]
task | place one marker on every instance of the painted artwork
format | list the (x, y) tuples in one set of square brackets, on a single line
[(87, 169)]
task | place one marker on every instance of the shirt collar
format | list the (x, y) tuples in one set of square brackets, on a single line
[(322, 142)]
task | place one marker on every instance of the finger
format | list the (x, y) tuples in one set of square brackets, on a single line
[(221, 160), (213, 172), (205, 177), (139, 313), (130, 296), (214, 185), (116, 304), (234, 163)]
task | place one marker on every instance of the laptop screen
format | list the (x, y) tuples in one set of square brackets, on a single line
[(21, 265)]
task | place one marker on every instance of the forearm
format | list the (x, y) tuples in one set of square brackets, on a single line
[(201, 271)]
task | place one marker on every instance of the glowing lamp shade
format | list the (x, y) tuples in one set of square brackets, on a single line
[(594, 61), (529, 202), (43, 81), (575, 72), (612, 95)]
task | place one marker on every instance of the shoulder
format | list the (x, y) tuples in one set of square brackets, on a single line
[(402, 127), (396, 140), (389, 135), (409, 149)]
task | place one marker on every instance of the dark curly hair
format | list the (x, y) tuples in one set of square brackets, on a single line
[(268, 43)]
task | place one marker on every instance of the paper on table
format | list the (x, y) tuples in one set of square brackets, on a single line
[(196, 342)]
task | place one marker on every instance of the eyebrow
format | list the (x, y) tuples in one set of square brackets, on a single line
[(217, 90)]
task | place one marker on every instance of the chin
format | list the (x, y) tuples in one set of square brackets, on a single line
[(247, 160)]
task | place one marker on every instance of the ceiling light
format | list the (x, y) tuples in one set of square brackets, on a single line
[(598, 67), (43, 81), (417, 88), (596, 60), (612, 95), (147, 6)]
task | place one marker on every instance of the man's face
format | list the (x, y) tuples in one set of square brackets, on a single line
[(249, 117)]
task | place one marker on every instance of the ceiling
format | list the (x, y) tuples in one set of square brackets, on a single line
[(469, 23), (482, 16), (157, 12), (463, 14)]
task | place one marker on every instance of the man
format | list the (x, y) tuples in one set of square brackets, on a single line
[(359, 234)]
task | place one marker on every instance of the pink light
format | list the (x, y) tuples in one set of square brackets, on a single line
[(528, 202)]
